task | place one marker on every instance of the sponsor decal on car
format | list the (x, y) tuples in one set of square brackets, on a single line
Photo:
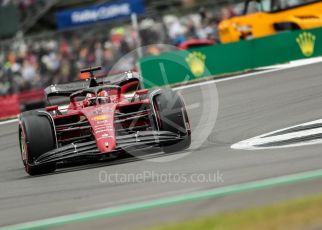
[(101, 111), (104, 136), (100, 118), (101, 131), (103, 122)]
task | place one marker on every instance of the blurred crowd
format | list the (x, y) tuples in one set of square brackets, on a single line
[(197, 26), (40, 61)]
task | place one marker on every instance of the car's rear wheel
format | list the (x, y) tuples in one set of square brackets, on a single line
[(36, 136), (172, 116)]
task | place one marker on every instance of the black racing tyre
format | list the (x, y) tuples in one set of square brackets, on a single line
[(173, 117), (36, 137)]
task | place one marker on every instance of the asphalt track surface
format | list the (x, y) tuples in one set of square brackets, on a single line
[(247, 107)]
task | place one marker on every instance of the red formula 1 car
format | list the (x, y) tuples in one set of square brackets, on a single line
[(103, 119)]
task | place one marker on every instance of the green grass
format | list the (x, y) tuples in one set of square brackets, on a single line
[(296, 214)]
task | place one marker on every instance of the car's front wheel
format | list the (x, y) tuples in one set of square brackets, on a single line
[(36, 137), (173, 117)]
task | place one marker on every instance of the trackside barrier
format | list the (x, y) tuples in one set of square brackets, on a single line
[(178, 66), (9, 106)]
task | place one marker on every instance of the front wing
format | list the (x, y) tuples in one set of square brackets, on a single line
[(89, 150)]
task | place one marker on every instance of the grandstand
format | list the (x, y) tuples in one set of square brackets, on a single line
[(38, 16), (34, 52)]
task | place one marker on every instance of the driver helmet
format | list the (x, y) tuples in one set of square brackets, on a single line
[(103, 97)]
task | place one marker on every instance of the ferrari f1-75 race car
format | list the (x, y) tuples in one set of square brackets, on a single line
[(104, 118)]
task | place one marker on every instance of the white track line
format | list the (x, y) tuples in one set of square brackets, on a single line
[(8, 121), (269, 138), (294, 63), (290, 65)]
